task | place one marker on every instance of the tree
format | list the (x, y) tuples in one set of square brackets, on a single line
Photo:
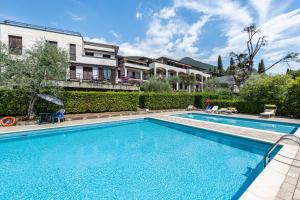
[(245, 61), (253, 47), (33, 73), (261, 67), (220, 66), (156, 85), (293, 73), (230, 70)]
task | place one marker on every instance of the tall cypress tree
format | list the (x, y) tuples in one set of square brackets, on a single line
[(261, 67), (231, 68), (220, 66)]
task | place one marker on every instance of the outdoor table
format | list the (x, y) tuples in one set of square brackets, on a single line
[(48, 117)]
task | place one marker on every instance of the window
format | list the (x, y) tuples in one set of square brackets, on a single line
[(107, 74), (52, 43), (73, 72), (72, 52), (106, 56), (119, 73), (88, 53), (15, 45), (133, 74)]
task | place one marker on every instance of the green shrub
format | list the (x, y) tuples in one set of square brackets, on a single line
[(158, 101), (293, 98), (245, 107), (200, 97), (156, 85), (269, 90), (14, 102), (82, 102)]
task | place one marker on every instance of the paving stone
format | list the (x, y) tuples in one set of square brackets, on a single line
[(285, 194)]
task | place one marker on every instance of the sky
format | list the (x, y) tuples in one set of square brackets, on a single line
[(201, 29)]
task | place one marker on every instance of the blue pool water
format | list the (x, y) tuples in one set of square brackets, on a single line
[(139, 159), (280, 127)]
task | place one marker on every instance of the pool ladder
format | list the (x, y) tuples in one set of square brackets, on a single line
[(284, 137)]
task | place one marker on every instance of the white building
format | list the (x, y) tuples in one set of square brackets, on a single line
[(96, 65), (139, 69), (89, 61)]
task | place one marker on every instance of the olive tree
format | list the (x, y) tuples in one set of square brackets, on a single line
[(33, 72)]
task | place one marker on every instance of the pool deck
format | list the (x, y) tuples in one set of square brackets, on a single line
[(279, 180)]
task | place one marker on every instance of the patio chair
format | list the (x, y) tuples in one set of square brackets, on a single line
[(214, 109), (270, 110), (60, 115), (191, 107), (221, 110), (208, 108), (231, 110)]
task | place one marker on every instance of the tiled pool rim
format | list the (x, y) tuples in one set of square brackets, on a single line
[(265, 186)]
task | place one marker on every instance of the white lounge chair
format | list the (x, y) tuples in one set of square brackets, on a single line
[(191, 107), (268, 113), (270, 110), (214, 109), (221, 110)]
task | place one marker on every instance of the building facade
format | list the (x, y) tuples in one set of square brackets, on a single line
[(96, 65), (89, 61)]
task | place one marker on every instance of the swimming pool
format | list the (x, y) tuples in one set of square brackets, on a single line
[(137, 159), (280, 127)]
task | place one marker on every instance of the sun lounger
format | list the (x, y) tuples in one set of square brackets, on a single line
[(208, 108), (214, 109), (268, 113), (231, 110), (270, 110), (221, 110), (191, 107)]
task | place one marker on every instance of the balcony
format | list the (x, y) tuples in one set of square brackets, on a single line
[(97, 61)]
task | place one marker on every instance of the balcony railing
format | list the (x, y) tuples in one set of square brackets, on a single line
[(85, 76)]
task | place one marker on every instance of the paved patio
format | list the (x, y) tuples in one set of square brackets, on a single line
[(279, 180)]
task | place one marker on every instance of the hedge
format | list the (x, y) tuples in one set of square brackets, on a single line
[(82, 102), (245, 107), (157, 101), (13, 102)]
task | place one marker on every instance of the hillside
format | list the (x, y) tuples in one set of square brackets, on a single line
[(197, 64)]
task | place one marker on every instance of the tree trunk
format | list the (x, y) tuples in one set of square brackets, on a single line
[(31, 106)]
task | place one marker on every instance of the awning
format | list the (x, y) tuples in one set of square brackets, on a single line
[(51, 99)]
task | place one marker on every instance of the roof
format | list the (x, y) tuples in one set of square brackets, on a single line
[(97, 44), (174, 61), (42, 28), (197, 64), (226, 79)]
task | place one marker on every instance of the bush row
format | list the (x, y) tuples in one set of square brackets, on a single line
[(245, 107), (158, 101), (13, 102), (83, 102)]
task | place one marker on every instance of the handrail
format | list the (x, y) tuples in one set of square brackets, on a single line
[(284, 137)]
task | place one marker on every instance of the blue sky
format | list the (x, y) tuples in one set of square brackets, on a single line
[(202, 29)]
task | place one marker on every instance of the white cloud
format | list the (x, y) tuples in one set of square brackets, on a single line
[(170, 34), (138, 15), (75, 17), (262, 8), (167, 12), (98, 40)]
